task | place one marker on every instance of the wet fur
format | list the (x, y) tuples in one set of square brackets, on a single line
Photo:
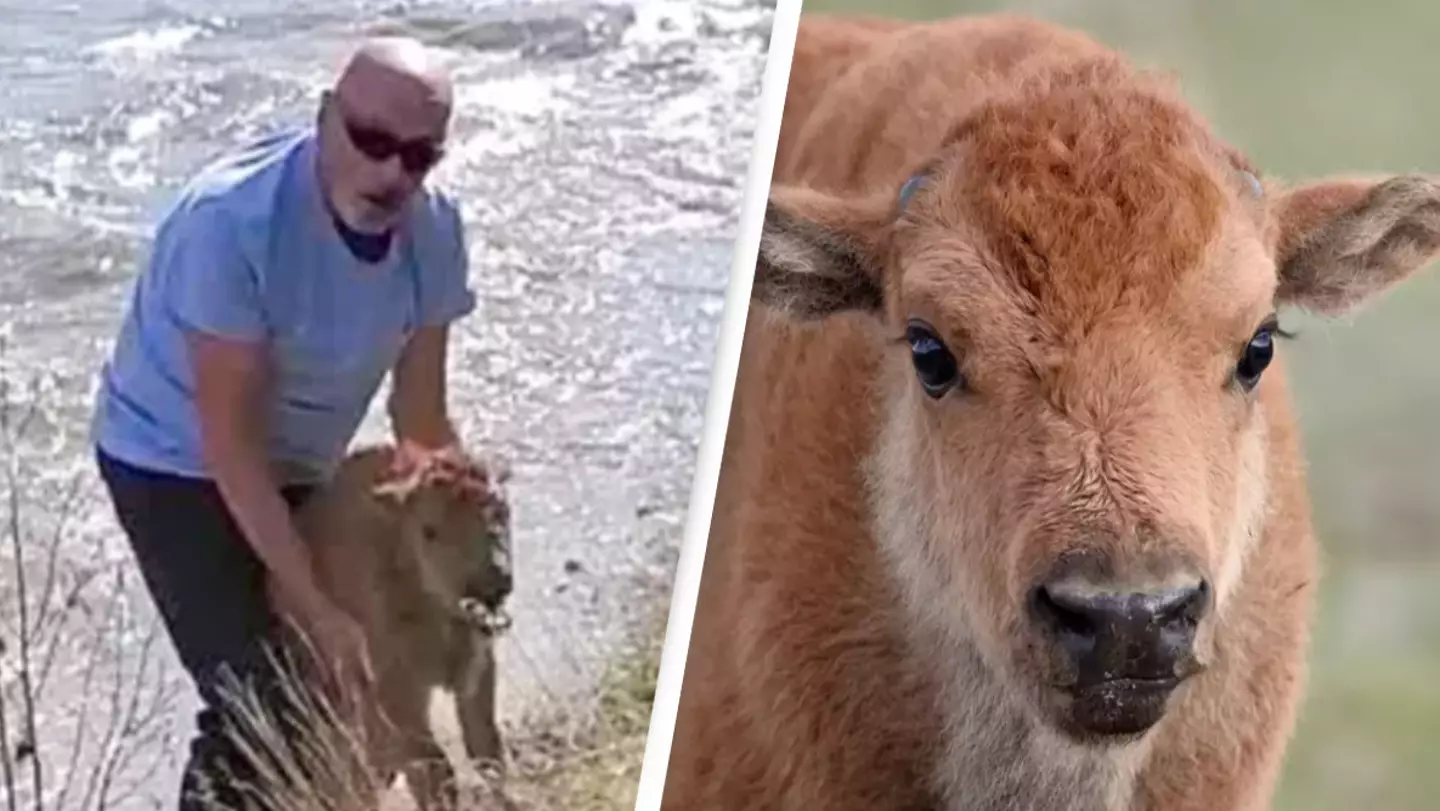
[(854, 640)]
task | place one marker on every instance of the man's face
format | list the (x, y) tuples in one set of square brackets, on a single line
[(377, 146)]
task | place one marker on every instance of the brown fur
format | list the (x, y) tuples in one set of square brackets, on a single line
[(1097, 260), (399, 546)]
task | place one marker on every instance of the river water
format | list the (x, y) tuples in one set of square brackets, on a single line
[(599, 153)]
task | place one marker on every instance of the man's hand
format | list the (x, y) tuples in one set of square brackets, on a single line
[(341, 643), (409, 453)]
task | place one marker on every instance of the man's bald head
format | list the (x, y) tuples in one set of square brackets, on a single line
[(391, 91), (398, 66)]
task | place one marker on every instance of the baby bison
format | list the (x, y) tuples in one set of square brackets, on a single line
[(417, 550)]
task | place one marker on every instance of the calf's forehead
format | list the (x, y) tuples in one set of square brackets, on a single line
[(1083, 206), (950, 279)]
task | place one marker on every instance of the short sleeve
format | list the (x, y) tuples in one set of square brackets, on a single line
[(445, 293), (209, 284)]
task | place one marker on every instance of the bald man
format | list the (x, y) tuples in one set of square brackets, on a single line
[(285, 281)]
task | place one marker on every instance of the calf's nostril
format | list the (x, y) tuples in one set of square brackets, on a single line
[(1064, 612), (1077, 621), (1182, 606)]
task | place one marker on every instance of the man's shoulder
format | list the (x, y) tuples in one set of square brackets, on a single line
[(241, 185), (436, 217), (441, 206)]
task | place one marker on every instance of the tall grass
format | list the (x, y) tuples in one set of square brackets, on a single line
[(323, 757), (585, 762)]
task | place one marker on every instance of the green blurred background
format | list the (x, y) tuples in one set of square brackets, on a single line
[(1309, 88)]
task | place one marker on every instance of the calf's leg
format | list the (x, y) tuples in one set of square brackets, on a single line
[(475, 701), (475, 705), (429, 774)]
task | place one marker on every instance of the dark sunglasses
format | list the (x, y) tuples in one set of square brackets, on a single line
[(417, 156)]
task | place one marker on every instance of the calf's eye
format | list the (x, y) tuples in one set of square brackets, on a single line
[(1256, 357), (935, 366)]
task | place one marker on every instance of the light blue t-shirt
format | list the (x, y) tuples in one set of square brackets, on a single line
[(249, 251)]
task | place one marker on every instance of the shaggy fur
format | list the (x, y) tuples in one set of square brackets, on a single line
[(402, 547), (1097, 261)]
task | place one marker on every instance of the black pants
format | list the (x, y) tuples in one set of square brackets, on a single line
[(209, 587)]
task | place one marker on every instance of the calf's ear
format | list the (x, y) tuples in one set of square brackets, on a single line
[(820, 255), (1342, 241)]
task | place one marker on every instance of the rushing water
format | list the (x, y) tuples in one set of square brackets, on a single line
[(599, 152)]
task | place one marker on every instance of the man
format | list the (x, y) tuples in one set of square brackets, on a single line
[(287, 279)]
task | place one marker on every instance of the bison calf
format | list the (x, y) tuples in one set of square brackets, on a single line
[(1012, 512), (418, 552)]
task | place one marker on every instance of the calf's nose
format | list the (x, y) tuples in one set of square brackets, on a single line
[(492, 587), (1109, 633)]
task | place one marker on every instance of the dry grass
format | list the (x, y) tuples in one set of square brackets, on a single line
[(322, 766), (598, 769), (587, 762)]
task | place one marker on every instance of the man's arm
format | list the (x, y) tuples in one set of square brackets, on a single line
[(230, 386), (212, 291), (418, 410)]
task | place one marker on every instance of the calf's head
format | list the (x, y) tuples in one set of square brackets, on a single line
[(453, 524), (1075, 305)]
